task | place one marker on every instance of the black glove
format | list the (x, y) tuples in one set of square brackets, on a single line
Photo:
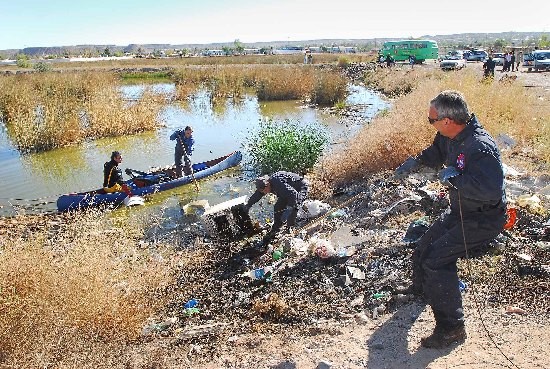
[(446, 174), (128, 171), (246, 208), (408, 166)]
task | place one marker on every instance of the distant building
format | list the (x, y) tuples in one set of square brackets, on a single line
[(251, 51), (213, 53), (289, 50)]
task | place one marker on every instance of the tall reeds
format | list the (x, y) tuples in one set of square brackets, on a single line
[(271, 82), (391, 137), (44, 111)]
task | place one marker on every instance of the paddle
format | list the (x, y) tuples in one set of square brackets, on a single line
[(188, 160)]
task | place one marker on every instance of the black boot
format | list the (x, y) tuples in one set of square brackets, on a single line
[(443, 337)]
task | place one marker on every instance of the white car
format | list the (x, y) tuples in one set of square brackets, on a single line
[(452, 62)]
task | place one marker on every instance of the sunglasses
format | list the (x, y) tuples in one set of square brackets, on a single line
[(433, 120)]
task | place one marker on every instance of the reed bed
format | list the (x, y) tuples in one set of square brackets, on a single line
[(271, 82), (322, 58), (44, 111), (506, 109), (89, 285)]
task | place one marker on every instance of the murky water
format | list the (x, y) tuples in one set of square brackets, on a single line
[(40, 178)]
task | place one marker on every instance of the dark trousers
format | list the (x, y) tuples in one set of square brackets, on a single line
[(178, 155), (436, 254), (280, 207)]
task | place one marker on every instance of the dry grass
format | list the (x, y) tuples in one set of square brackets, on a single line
[(391, 137), (46, 111), (271, 82), (88, 291)]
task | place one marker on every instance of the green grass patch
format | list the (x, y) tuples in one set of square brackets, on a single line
[(286, 146)]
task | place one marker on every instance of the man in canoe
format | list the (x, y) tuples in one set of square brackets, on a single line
[(112, 175), (291, 190), (184, 149)]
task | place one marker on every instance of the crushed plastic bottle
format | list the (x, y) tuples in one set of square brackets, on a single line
[(191, 303), (277, 254), (379, 295), (259, 273)]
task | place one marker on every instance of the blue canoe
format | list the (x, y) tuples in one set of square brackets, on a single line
[(147, 183)]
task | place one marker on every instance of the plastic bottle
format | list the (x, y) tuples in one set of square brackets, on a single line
[(277, 254), (461, 286), (259, 273), (379, 295), (191, 303)]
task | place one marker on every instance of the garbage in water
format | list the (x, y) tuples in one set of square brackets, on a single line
[(196, 207), (228, 220), (461, 286)]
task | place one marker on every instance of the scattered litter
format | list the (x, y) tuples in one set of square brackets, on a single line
[(321, 247), (416, 230), (355, 272), (509, 171), (530, 202), (312, 209), (337, 214), (515, 310)]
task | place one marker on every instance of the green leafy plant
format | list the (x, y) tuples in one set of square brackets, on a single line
[(286, 146), (22, 61), (42, 67)]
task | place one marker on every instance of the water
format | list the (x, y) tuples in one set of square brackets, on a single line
[(41, 177)]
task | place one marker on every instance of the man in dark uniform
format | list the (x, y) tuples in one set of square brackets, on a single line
[(489, 68), (474, 178), (184, 148), (291, 190), (112, 175)]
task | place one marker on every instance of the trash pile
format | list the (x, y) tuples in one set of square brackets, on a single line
[(311, 275)]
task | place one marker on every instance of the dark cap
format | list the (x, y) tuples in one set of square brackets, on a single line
[(261, 182), (114, 154)]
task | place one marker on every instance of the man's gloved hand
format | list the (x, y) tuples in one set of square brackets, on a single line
[(408, 166), (246, 208), (446, 174), (128, 171), (286, 213)]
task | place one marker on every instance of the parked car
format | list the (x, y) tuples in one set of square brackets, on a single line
[(528, 61), (477, 55), (541, 60), (498, 58), (452, 62)]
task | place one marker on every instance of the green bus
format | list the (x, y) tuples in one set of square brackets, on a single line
[(401, 50)]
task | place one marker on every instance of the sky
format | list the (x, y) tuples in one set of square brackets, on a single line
[(34, 23)]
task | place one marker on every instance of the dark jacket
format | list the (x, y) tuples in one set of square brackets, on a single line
[(290, 189), (112, 174), (476, 156), (183, 142)]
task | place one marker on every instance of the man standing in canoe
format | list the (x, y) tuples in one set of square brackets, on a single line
[(112, 175), (184, 148)]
